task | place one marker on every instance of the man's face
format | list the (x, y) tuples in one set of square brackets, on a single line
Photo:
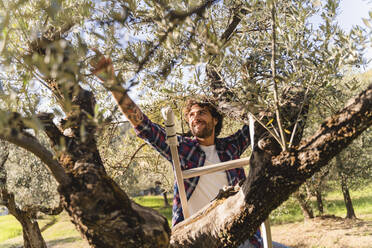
[(201, 122)]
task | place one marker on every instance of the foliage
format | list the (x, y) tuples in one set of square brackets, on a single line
[(161, 49), (132, 163), (356, 158), (30, 182), (155, 45), (128, 31)]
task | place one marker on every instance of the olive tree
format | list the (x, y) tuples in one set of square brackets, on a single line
[(253, 58), (27, 189)]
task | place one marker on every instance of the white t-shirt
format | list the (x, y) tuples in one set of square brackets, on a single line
[(209, 184)]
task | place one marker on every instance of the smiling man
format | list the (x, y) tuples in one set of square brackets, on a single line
[(202, 123), (204, 148)]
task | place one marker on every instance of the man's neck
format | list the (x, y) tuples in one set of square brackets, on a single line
[(206, 141)]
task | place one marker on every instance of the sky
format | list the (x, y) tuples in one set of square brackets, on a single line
[(351, 13)]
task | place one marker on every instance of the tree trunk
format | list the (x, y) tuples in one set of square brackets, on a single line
[(350, 213), (305, 205), (166, 203), (319, 201), (318, 187), (105, 215), (31, 232)]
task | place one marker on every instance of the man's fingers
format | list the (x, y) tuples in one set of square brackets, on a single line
[(102, 66), (100, 63)]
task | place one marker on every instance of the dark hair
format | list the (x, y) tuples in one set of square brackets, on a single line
[(212, 109)]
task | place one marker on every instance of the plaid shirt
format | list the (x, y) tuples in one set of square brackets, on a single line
[(192, 156)]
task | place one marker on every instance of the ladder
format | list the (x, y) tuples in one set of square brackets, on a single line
[(181, 175)]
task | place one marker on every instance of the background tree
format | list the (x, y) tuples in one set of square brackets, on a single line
[(351, 168), (354, 165), (18, 196), (256, 53), (132, 163)]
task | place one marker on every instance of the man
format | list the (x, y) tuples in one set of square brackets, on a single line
[(203, 149)]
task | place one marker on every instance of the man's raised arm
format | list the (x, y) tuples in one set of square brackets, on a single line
[(104, 70), (128, 107)]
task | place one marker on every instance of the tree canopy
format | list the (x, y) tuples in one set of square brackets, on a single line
[(260, 58)]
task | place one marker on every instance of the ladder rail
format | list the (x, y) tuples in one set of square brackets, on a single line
[(173, 143)]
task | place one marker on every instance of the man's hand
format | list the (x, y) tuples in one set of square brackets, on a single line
[(102, 67)]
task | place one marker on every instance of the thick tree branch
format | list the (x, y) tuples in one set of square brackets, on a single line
[(337, 132), (51, 130), (234, 23), (77, 102)]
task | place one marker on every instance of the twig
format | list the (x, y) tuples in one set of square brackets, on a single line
[(175, 18), (298, 117), (135, 153), (273, 69)]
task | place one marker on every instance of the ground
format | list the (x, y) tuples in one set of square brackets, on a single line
[(321, 232), (325, 232)]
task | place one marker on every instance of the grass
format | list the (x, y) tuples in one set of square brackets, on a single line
[(157, 203), (290, 211), (55, 230), (62, 231), (59, 229), (10, 227)]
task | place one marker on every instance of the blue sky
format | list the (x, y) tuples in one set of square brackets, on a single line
[(351, 13)]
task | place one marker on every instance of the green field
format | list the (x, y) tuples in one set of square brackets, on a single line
[(58, 230), (290, 211)]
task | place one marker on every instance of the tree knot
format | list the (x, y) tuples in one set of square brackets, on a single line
[(227, 191)]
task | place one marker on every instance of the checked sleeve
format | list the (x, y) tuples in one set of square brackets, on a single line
[(154, 135)]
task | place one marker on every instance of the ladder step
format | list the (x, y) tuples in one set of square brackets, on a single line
[(232, 164)]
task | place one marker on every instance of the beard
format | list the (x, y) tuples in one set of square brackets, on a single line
[(202, 132)]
